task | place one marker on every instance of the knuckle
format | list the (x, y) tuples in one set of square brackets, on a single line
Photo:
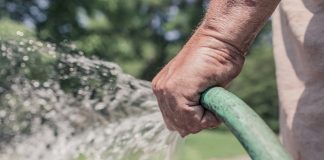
[(155, 90), (188, 111), (154, 81), (155, 87), (169, 86)]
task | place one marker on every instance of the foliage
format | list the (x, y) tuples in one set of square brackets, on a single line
[(209, 145), (141, 36)]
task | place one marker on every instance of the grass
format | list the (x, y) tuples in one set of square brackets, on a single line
[(208, 145)]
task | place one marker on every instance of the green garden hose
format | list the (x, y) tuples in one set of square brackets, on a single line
[(255, 136)]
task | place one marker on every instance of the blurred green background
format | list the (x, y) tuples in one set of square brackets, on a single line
[(142, 36)]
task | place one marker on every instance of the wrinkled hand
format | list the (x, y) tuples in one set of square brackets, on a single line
[(202, 63)]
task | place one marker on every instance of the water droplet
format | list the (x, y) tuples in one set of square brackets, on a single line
[(22, 65), (100, 106), (35, 83), (84, 78), (20, 33), (30, 41), (20, 49), (60, 65), (46, 84), (3, 48), (3, 113), (25, 58), (39, 44)]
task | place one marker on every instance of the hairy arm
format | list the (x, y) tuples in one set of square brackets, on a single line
[(237, 22), (213, 56)]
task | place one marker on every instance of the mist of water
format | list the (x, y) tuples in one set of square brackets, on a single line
[(56, 104)]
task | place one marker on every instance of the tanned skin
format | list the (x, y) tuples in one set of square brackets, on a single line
[(213, 56)]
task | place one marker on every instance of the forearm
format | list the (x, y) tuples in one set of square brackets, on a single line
[(236, 22)]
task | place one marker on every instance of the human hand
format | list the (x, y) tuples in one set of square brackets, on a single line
[(204, 62)]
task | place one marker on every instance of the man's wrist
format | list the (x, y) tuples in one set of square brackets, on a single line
[(237, 22), (215, 40)]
